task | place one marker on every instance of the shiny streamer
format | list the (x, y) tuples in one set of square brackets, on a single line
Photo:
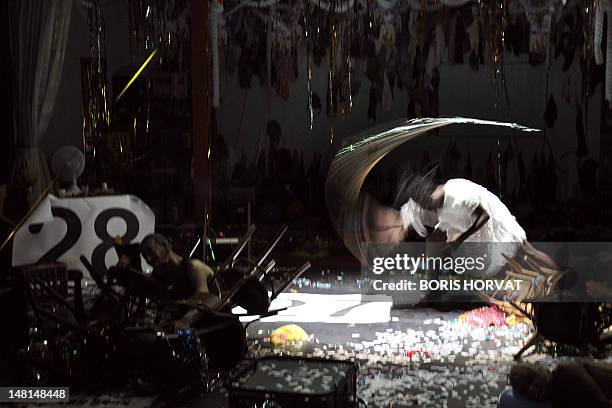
[(30, 211), (498, 15), (350, 37), (332, 60), (97, 42), (93, 76), (498, 11), (137, 74), (157, 23), (354, 161), (308, 61), (588, 28)]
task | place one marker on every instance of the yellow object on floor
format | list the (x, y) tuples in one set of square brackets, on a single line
[(288, 334)]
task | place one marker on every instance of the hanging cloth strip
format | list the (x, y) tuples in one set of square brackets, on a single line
[(539, 14), (216, 9), (603, 6)]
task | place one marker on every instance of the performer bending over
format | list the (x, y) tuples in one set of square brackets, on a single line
[(465, 212)]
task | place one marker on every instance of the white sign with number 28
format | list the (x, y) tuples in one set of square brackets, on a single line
[(61, 230)]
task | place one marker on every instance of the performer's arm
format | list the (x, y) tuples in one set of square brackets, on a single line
[(437, 236), (200, 273), (481, 219)]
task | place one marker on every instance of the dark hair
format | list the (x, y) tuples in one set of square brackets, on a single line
[(151, 240), (418, 185), (531, 380)]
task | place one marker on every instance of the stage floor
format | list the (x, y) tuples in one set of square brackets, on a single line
[(408, 357)]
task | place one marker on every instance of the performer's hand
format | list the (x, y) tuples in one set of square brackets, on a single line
[(455, 237)]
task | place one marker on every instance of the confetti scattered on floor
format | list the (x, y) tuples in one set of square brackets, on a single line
[(421, 358), (407, 358)]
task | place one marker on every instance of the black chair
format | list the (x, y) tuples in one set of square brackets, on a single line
[(53, 291)]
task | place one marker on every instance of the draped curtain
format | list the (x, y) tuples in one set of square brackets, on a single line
[(38, 36)]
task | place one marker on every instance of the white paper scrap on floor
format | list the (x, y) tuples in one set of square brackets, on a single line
[(324, 308)]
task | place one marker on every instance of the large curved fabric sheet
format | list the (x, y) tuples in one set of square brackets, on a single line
[(349, 208)]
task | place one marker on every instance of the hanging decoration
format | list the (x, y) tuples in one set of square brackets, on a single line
[(330, 80), (496, 13), (159, 26), (539, 14), (159, 33), (96, 107), (397, 46), (216, 8), (307, 40), (588, 27), (158, 23), (603, 7)]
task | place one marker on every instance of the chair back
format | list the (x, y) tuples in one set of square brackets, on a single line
[(54, 275)]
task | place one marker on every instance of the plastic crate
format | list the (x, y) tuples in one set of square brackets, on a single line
[(294, 382)]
